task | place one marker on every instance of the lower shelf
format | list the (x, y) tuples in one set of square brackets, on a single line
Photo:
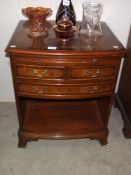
[(62, 119)]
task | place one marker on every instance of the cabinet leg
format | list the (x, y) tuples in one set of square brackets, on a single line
[(92, 139), (115, 101), (103, 142), (22, 144), (127, 132)]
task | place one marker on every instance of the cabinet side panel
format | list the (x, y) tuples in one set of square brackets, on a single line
[(124, 90)]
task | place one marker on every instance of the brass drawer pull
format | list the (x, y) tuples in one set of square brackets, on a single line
[(45, 89), (38, 91), (37, 74), (45, 72), (90, 73), (35, 71), (41, 91), (98, 71), (93, 90), (40, 75), (95, 60)]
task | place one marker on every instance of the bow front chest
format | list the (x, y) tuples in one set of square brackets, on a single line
[(64, 90)]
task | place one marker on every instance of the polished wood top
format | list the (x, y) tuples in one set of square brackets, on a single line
[(22, 43)]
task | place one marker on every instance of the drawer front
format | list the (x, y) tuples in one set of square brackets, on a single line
[(92, 73), (67, 60), (36, 72), (48, 90)]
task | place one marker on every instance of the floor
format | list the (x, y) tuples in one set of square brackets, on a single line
[(70, 157)]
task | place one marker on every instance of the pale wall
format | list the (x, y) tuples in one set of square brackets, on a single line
[(116, 13)]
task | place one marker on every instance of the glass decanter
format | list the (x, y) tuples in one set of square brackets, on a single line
[(91, 25)]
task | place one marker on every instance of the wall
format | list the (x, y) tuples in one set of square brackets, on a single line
[(116, 14)]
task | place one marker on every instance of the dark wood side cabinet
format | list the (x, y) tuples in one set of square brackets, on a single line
[(64, 90), (123, 95)]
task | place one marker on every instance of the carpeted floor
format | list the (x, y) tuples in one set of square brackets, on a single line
[(69, 157)]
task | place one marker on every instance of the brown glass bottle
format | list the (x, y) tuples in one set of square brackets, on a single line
[(66, 12)]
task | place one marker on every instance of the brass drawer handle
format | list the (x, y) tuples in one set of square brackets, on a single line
[(90, 73), (38, 91), (93, 90), (42, 74), (98, 71), (37, 74), (45, 72), (45, 89), (96, 88), (41, 91), (35, 71), (95, 60)]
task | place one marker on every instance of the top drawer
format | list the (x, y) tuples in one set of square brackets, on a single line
[(31, 71), (66, 60)]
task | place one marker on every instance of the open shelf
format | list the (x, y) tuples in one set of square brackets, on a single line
[(61, 119)]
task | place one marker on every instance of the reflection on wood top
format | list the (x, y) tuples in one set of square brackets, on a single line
[(78, 44)]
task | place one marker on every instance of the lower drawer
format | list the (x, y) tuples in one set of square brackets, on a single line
[(46, 90)]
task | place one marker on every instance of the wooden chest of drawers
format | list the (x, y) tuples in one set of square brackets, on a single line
[(67, 92)]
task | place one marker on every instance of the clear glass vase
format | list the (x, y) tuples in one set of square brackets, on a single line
[(91, 24)]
